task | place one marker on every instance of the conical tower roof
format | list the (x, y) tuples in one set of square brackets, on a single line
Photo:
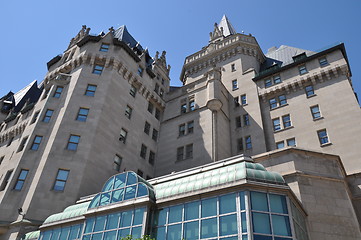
[(228, 29)]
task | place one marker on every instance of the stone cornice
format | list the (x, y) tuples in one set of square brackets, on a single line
[(110, 63), (221, 51), (13, 131), (321, 75)]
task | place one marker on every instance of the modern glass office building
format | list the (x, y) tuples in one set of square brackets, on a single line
[(231, 199)]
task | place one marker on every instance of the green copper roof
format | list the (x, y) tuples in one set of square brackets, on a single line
[(32, 235), (215, 177), (69, 212)]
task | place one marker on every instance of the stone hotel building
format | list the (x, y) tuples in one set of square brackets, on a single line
[(252, 146)]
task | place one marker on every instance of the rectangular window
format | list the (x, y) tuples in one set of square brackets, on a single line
[(104, 47), (240, 145), (155, 134), (268, 83), (82, 114), (133, 91), (60, 180), (151, 157), (46, 93), (123, 135), (246, 119), (282, 100), (6, 180), (309, 91), (189, 151), (117, 162), (98, 69), (315, 110), (58, 92), (243, 99), (323, 61), (182, 130), (150, 107), (73, 142), (48, 115), (233, 67), (286, 119), (248, 142), (35, 117), (90, 90), (21, 179), (190, 127), (143, 151), (180, 152), (234, 85), (302, 69), (236, 101), (280, 145), (128, 112), (277, 79), (238, 122), (161, 92), (191, 105), (147, 127), (184, 108), (157, 113), (276, 124), (140, 71), (291, 142), (273, 103), (22, 144), (322, 136), (36, 143), (156, 88)]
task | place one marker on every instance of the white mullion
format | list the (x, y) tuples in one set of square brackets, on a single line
[(270, 215), (239, 215), (249, 219)]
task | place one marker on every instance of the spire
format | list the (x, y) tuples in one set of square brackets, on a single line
[(228, 29)]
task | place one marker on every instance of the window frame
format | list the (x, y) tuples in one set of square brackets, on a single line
[(180, 153), (310, 92), (58, 91), (20, 180), (82, 114), (234, 85), (155, 134), (302, 69), (243, 99), (280, 144), (189, 151), (58, 179), (323, 61), (133, 91), (286, 120), (73, 145), (248, 141), (36, 142), (98, 69), (47, 116), (289, 140), (117, 162), (147, 127), (276, 122), (123, 135), (90, 92), (143, 151), (240, 146), (151, 157), (246, 121), (323, 136), (128, 111), (104, 47), (317, 114)]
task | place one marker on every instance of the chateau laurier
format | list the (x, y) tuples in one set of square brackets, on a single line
[(253, 146)]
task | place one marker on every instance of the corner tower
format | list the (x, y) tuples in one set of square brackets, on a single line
[(217, 96)]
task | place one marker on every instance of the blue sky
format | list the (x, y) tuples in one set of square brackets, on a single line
[(33, 32)]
